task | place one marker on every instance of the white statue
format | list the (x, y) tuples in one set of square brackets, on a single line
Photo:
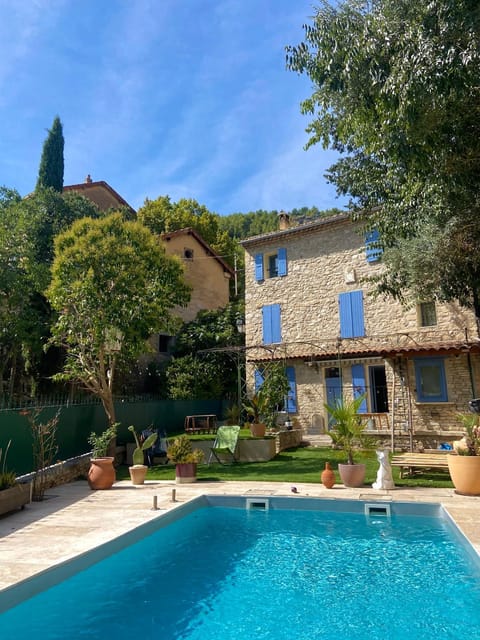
[(384, 474)]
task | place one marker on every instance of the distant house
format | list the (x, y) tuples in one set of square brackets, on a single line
[(308, 305), (101, 194), (207, 273)]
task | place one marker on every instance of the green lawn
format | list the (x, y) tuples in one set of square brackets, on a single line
[(303, 464)]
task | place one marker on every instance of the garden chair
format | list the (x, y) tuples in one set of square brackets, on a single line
[(225, 445)]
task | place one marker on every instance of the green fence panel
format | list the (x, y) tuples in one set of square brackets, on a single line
[(78, 421)]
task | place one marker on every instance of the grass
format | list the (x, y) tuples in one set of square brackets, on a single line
[(303, 464)]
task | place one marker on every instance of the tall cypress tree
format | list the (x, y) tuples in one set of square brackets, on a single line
[(50, 172)]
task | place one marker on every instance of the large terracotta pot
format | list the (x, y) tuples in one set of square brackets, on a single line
[(465, 474), (352, 475), (185, 472), (257, 429), (101, 474), (138, 473)]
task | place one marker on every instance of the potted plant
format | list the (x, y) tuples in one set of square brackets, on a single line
[(348, 435), (254, 410), (101, 474), (138, 470), (270, 397), (185, 458), (13, 495), (464, 464)]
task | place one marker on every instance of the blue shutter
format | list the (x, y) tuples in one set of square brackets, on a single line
[(259, 267), (259, 378), (272, 330), (351, 314), (345, 310), (372, 249), (282, 262), (292, 394), (358, 326), (358, 384)]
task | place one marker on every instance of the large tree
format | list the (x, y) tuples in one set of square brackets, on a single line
[(397, 92), (50, 172), (27, 229), (112, 287)]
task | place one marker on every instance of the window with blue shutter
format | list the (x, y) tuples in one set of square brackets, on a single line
[(351, 314), (272, 332), (291, 404), (258, 267), (359, 386), (373, 250), (430, 380)]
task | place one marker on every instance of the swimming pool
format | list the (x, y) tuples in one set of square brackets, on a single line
[(286, 568)]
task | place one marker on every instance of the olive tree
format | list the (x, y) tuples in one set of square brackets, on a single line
[(112, 286)]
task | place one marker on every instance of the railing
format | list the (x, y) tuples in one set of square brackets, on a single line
[(12, 403)]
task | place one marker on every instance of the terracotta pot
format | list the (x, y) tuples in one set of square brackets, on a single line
[(257, 429), (185, 472), (138, 473), (465, 474), (101, 474), (327, 476), (352, 475)]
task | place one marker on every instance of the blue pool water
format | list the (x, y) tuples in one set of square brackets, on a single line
[(229, 574)]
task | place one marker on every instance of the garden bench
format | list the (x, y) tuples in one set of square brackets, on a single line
[(411, 463)]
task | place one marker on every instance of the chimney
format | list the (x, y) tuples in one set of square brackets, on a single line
[(283, 221), (88, 179)]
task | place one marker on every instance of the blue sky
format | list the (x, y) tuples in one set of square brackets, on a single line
[(186, 98)]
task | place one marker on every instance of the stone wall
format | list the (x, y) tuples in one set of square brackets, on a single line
[(325, 260)]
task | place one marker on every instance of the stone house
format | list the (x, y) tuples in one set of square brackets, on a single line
[(308, 305)]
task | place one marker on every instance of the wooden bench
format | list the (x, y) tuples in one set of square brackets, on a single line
[(411, 463)]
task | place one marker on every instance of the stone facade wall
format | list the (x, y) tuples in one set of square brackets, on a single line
[(323, 262)]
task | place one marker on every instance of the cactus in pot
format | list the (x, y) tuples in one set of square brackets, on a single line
[(138, 471), (137, 455)]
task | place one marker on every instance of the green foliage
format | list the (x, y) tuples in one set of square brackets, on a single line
[(190, 378), (348, 431), (181, 451), (112, 287), (163, 216), (50, 172), (208, 374), (396, 91), (141, 446), (27, 228), (100, 442)]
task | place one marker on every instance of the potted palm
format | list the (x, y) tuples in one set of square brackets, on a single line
[(138, 470), (464, 464), (348, 435), (270, 397), (185, 458), (13, 495), (254, 410), (101, 474)]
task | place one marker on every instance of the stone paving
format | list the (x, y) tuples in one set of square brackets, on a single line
[(73, 519)]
